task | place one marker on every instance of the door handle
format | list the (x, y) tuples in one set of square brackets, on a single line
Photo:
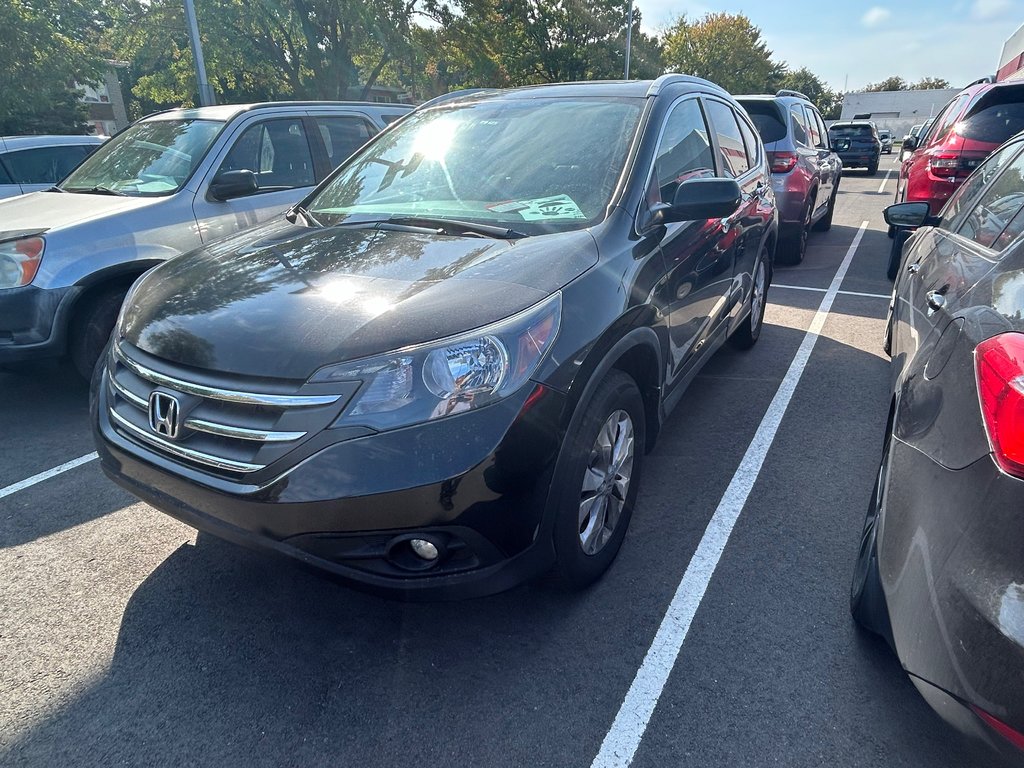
[(936, 300), (914, 268)]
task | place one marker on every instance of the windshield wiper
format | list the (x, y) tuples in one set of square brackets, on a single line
[(305, 214), (457, 227), (97, 190)]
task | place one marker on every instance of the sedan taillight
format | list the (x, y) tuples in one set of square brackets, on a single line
[(999, 365), (782, 162)]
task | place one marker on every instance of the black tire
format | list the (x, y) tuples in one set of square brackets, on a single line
[(891, 231), (91, 327), (873, 168), (896, 254), (749, 331), (825, 222), (576, 568), (793, 245), (867, 598)]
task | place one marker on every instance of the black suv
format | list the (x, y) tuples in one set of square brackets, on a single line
[(857, 144), (439, 374)]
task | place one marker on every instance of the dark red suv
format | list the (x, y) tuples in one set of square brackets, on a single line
[(973, 124)]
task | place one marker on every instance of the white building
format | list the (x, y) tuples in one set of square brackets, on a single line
[(898, 111)]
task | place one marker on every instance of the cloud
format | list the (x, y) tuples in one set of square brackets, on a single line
[(877, 15), (989, 9)]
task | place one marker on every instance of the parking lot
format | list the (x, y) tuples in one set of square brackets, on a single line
[(124, 640)]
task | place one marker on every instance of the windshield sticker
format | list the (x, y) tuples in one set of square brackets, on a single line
[(554, 207)]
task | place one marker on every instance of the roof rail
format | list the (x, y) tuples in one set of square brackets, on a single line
[(674, 77), (980, 80), (454, 95), (789, 92)]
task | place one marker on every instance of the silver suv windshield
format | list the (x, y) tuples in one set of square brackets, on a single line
[(152, 158), (534, 165)]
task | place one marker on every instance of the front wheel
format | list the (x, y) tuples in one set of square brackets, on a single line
[(867, 598), (749, 332), (91, 329), (597, 485)]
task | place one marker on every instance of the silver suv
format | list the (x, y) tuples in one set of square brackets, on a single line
[(167, 184), (805, 170)]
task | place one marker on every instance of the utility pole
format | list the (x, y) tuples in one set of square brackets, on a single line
[(206, 96), (629, 36)]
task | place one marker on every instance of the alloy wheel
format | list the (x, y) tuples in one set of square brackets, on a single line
[(606, 482)]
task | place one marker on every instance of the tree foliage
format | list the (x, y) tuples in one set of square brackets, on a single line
[(45, 47), (724, 48), (897, 83)]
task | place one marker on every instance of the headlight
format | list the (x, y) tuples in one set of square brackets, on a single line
[(449, 376), (19, 261)]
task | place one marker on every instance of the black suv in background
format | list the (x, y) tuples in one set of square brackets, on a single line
[(440, 373), (805, 170), (857, 144)]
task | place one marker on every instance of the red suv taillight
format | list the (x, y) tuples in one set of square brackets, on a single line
[(999, 363), (782, 162), (944, 163)]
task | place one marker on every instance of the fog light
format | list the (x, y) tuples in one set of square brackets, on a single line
[(424, 549)]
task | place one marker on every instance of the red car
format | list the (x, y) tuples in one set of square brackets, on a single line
[(977, 120), (973, 124)]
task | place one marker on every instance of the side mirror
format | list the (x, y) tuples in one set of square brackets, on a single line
[(232, 184), (910, 215), (698, 199), (910, 143)]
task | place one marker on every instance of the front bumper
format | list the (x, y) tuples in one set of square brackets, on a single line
[(476, 484), (951, 562), (33, 322)]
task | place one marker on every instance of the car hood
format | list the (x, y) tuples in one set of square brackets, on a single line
[(46, 211), (282, 301)]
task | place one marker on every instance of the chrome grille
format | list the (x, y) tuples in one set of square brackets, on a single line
[(226, 424)]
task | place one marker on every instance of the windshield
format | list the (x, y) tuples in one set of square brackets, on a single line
[(152, 158), (534, 165), (846, 131)]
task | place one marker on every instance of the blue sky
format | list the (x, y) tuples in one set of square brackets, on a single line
[(868, 41)]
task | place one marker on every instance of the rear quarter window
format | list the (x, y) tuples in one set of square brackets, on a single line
[(994, 123)]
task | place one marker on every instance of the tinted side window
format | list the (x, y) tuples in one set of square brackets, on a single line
[(822, 130), (963, 197), (730, 142), (799, 125), (685, 149), (996, 208), (749, 141), (812, 129), (46, 165), (767, 120), (5, 178), (993, 124), (276, 151), (342, 136)]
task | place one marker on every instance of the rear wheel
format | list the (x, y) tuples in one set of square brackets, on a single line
[(873, 168), (598, 484), (91, 327), (867, 599), (749, 332), (794, 245), (825, 223)]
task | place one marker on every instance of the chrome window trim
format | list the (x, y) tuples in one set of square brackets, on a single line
[(216, 393), (181, 452)]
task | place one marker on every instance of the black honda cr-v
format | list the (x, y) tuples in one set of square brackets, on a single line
[(439, 374)]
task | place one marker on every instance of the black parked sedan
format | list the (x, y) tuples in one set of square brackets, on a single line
[(941, 568), (439, 374)]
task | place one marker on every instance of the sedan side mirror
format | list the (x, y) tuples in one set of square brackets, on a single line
[(231, 184), (910, 143), (698, 199), (910, 215)]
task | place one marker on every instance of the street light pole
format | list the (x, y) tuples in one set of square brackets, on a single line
[(629, 36), (206, 95)]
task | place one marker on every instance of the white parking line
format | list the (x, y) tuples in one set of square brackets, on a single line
[(881, 187), (824, 290), (30, 481), (623, 738)]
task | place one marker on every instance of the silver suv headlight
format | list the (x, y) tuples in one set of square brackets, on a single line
[(19, 261), (449, 376)]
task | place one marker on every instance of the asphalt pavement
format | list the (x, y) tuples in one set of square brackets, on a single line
[(125, 640)]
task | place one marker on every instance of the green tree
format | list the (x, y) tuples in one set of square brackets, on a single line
[(724, 48), (46, 46), (928, 83), (891, 83)]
